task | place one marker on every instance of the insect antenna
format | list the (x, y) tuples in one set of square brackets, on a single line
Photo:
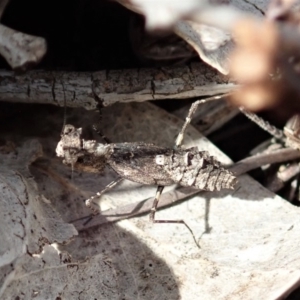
[(65, 109), (97, 127), (64, 123), (192, 110)]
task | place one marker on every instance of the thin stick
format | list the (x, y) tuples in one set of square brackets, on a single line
[(256, 161)]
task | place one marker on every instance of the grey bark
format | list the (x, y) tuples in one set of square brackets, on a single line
[(87, 89)]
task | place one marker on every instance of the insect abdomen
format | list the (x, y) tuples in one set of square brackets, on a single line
[(191, 167)]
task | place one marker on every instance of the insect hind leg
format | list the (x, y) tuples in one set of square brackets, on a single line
[(153, 211)]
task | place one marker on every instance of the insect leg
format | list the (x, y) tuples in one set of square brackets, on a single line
[(188, 119), (153, 211), (90, 202), (159, 191), (277, 133)]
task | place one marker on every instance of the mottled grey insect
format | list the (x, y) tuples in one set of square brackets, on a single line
[(147, 163)]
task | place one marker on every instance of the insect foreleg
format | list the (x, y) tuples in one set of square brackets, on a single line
[(277, 133), (90, 202)]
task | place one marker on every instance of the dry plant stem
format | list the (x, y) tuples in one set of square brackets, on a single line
[(141, 207), (85, 89), (256, 161)]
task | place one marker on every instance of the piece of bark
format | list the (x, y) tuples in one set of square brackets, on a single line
[(107, 87)]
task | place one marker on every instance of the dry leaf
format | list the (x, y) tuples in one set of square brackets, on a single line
[(28, 220), (54, 275), (163, 14), (213, 45)]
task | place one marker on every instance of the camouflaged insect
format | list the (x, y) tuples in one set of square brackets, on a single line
[(146, 163)]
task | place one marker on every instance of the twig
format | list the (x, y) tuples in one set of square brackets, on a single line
[(282, 177), (141, 207), (85, 89), (256, 161)]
